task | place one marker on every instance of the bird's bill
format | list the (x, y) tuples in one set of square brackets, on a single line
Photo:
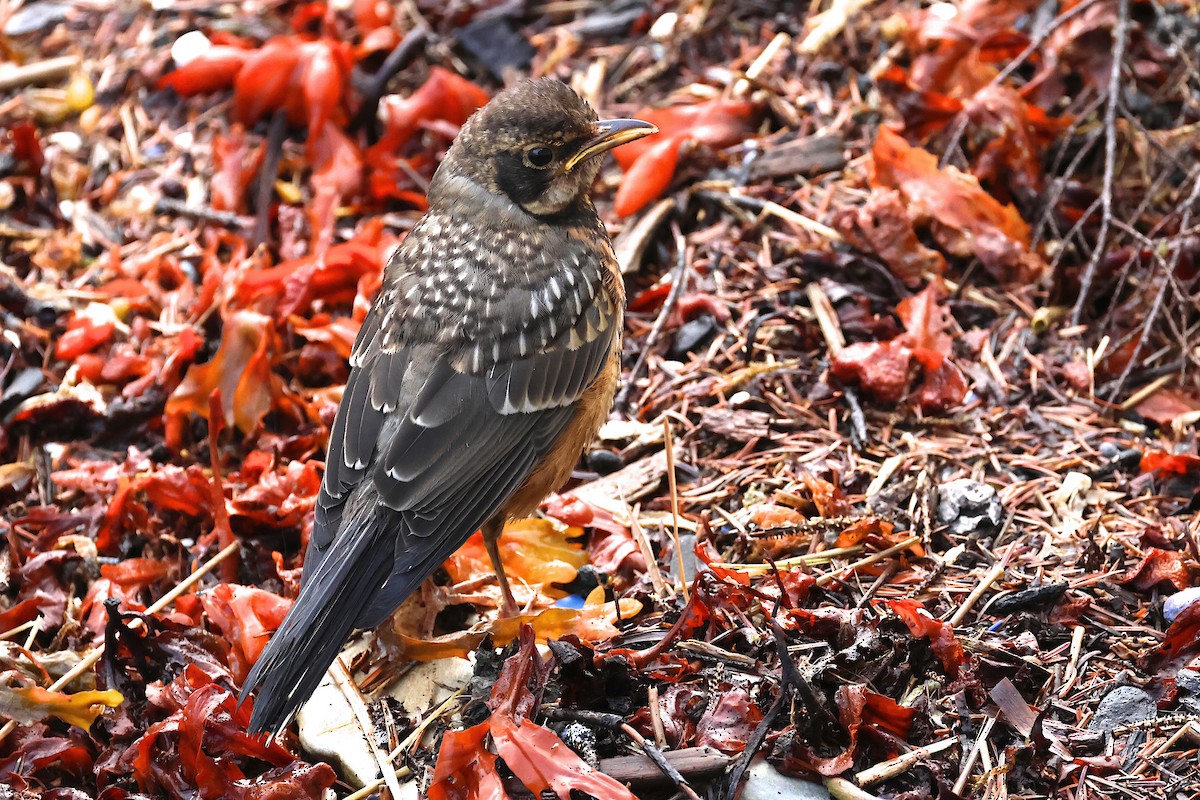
[(611, 133)]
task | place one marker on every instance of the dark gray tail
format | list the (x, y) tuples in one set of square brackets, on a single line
[(342, 585)]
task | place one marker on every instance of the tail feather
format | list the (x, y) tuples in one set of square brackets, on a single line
[(318, 624)]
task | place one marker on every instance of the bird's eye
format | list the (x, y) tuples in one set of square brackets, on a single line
[(539, 156)]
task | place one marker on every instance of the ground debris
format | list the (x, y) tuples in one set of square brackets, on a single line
[(910, 398)]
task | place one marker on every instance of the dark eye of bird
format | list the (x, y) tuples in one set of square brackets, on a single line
[(540, 156)]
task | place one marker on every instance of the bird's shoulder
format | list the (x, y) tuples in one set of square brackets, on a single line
[(480, 280)]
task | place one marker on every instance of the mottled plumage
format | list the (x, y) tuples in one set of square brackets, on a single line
[(484, 367)]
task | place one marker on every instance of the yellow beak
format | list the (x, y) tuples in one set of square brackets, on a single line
[(610, 133)]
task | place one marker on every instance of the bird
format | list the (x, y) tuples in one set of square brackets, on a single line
[(485, 366)]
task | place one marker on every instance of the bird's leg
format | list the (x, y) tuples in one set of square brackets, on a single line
[(491, 540)]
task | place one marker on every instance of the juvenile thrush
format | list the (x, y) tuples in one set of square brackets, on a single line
[(485, 366)]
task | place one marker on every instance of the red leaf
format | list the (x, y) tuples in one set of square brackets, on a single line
[(444, 96), (213, 70), (82, 335), (246, 616), (541, 761), (134, 574), (884, 712), (1181, 643), (262, 84), (940, 634), (647, 178), (32, 749), (465, 769), (322, 81), (718, 123), (1157, 566), (880, 368), (941, 389), (728, 723), (236, 166), (172, 487), (1166, 405), (1169, 464)]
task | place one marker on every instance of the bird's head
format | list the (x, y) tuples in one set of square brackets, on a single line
[(538, 143)]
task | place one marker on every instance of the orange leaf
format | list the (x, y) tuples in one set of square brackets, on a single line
[(262, 84), (1157, 566), (29, 704), (541, 761), (213, 70), (940, 634), (466, 769), (970, 221), (648, 177), (536, 551), (241, 369), (245, 615)]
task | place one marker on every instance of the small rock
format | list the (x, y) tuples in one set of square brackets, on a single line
[(582, 740), (189, 47), (497, 45), (1188, 680), (604, 462), (693, 335), (35, 17), (764, 782), (1124, 705), (1176, 603), (969, 506)]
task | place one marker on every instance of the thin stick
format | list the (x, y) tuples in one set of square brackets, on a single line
[(88, 661), (13, 76), (349, 689), (799, 220), (827, 320), (902, 763), (678, 283), (761, 63), (871, 559), (795, 561), (20, 628), (683, 588), (1071, 673), (404, 746), (655, 755), (842, 789), (639, 536), (965, 773), (1151, 388), (991, 577), (660, 732), (1120, 33)]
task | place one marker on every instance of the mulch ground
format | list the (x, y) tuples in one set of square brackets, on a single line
[(900, 497)]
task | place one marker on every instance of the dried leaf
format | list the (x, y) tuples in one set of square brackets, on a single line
[(28, 704), (969, 220)]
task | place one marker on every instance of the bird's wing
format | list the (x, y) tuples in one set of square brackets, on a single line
[(443, 446), (421, 454)]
